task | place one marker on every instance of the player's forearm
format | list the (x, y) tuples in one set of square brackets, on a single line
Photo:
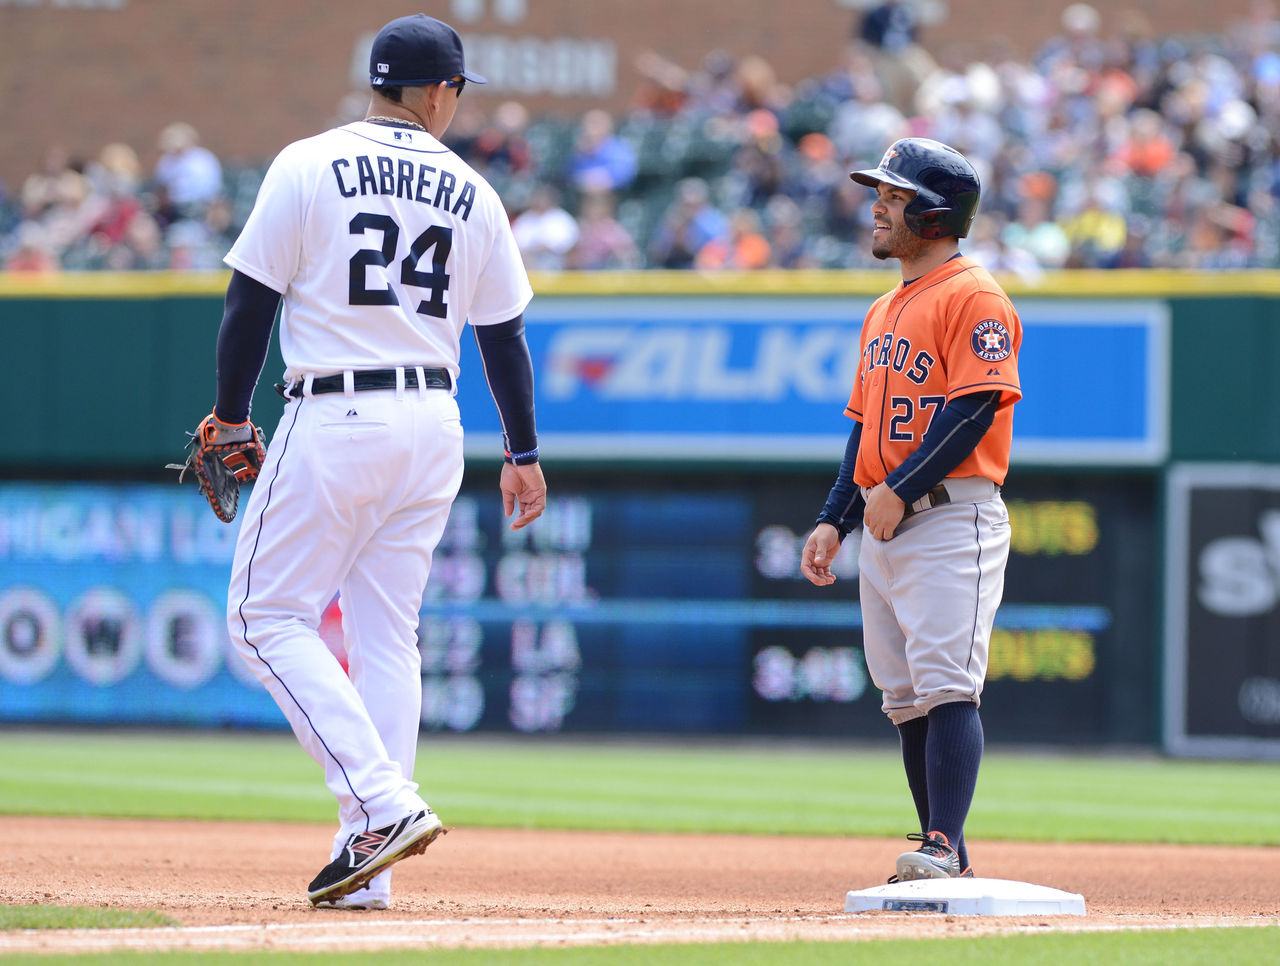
[(954, 433), (243, 339), (844, 506), (509, 372)]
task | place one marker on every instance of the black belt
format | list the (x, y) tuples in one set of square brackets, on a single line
[(432, 378), (935, 497)]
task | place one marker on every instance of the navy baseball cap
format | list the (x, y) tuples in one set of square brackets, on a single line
[(417, 50)]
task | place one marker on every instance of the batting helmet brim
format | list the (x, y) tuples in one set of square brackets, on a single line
[(873, 176)]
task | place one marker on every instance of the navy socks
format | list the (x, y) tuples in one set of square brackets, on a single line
[(941, 754), (913, 735)]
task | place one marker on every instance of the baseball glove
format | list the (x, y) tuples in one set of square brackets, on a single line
[(223, 456)]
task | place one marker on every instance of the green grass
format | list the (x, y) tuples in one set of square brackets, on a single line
[(780, 788), (1240, 947), (743, 788), (79, 917)]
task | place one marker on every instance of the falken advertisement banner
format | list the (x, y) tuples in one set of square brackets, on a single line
[(767, 378)]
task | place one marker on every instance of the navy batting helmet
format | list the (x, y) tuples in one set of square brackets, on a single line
[(945, 184)]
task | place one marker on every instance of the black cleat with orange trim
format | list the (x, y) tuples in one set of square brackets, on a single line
[(935, 859), (368, 853)]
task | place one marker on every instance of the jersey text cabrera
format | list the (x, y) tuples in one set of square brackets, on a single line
[(404, 179), (386, 244)]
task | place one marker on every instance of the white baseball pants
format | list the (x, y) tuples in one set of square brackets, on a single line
[(353, 497)]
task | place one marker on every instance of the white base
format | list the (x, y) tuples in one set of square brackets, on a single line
[(966, 897)]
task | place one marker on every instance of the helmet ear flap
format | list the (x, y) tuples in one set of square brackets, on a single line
[(929, 223), (937, 217)]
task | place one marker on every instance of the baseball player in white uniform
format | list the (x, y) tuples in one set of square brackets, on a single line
[(383, 244)]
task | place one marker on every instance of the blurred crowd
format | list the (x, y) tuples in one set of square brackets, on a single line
[(111, 213), (1127, 148)]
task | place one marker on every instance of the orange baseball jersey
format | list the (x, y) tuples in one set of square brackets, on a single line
[(947, 334)]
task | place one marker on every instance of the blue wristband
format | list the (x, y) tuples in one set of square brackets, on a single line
[(522, 459)]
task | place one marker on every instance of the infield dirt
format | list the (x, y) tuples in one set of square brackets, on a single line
[(233, 885)]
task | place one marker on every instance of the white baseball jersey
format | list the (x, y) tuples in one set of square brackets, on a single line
[(356, 227)]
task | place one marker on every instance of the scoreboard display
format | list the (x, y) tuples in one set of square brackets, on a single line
[(644, 603), (678, 606)]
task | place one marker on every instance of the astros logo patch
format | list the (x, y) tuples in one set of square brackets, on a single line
[(990, 340)]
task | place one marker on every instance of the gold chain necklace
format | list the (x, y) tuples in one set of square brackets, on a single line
[(378, 119)]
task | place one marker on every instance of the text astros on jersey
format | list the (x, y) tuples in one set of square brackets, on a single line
[(892, 351), (956, 313)]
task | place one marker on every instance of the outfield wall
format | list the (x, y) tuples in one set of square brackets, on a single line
[(671, 405)]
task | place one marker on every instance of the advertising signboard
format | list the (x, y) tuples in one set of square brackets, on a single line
[(1222, 611)]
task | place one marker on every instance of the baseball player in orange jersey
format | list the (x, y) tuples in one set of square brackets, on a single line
[(933, 420)]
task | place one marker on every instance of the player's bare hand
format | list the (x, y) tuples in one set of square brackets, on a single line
[(819, 552), (523, 489), (883, 513)]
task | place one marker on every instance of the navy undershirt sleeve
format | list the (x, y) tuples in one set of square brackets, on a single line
[(844, 506), (509, 372), (952, 435), (243, 339)]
